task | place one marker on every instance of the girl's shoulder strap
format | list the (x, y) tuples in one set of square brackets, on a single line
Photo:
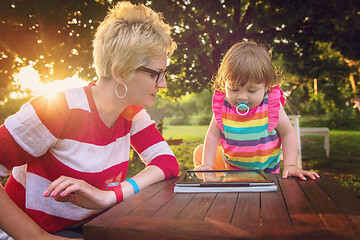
[(217, 104), (275, 98)]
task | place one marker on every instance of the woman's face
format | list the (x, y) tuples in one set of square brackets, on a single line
[(142, 88), (251, 93)]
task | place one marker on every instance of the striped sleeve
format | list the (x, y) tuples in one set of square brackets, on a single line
[(30, 132), (11, 154), (151, 146)]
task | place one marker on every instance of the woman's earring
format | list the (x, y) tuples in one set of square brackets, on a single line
[(124, 93)]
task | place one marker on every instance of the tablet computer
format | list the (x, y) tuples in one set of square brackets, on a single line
[(226, 178)]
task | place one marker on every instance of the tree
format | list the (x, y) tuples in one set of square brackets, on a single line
[(55, 36), (294, 29)]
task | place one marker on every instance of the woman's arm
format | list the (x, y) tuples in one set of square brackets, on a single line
[(14, 221), (210, 146), (17, 224), (150, 175), (155, 152), (290, 150), (151, 146), (66, 189)]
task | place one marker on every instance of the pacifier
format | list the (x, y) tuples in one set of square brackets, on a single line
[(242, 108)]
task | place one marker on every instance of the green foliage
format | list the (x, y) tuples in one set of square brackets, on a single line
[(184, 154), (194, 108), (55, 37), (204, 120), (10, 107), (192, 136), (135, 165), (296, 31), (333, 89), (350, 181)]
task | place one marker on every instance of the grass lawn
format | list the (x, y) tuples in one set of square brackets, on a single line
[(344, 160), (188, 133), (192, 136)]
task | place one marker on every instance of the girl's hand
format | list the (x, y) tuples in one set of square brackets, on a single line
[(208, 176), (80, 193), (298, 172), (202, 167)]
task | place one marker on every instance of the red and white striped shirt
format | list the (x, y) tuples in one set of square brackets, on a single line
[(49, 138)]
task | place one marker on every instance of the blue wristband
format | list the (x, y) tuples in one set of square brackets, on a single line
[(134, 184)]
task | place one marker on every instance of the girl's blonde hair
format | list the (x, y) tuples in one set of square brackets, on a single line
[(128, 38), (243, 62)]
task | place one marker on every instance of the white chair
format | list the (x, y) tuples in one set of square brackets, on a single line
[(322, 131), (294, 119)]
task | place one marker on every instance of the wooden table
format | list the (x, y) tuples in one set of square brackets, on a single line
[(320, 209)]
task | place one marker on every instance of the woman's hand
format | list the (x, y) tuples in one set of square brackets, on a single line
[(294, 171), (80, 193)]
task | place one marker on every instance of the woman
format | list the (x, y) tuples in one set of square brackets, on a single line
[(67, 154)]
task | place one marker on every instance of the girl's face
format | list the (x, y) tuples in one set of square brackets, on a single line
[(252, 93), (142, 89)]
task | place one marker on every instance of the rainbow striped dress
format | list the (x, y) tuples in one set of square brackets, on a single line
[(250, 141)]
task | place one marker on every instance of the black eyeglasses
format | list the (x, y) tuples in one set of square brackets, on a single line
[(159, 75)]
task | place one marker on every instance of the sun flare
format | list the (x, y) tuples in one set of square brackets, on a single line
[(28, 78)]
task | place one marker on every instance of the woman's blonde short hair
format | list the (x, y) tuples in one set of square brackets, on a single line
[(246, 61), (128, 37)]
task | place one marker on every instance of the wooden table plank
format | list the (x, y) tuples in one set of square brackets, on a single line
[(301, 211), (133, 202), (345, 199), (222, 208), (273, 209), (149, 207), (330, 213), (298, 210), (198, 207), (174, 206), (139, 228), (247, 210)]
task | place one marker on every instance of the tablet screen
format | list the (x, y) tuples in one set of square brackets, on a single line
[(223, 176)]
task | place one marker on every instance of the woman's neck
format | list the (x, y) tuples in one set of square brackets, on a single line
[(108, 105)]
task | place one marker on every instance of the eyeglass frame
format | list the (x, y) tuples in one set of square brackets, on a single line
[(158, 74)]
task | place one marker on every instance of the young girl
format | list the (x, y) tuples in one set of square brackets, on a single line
[(248, 117)]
